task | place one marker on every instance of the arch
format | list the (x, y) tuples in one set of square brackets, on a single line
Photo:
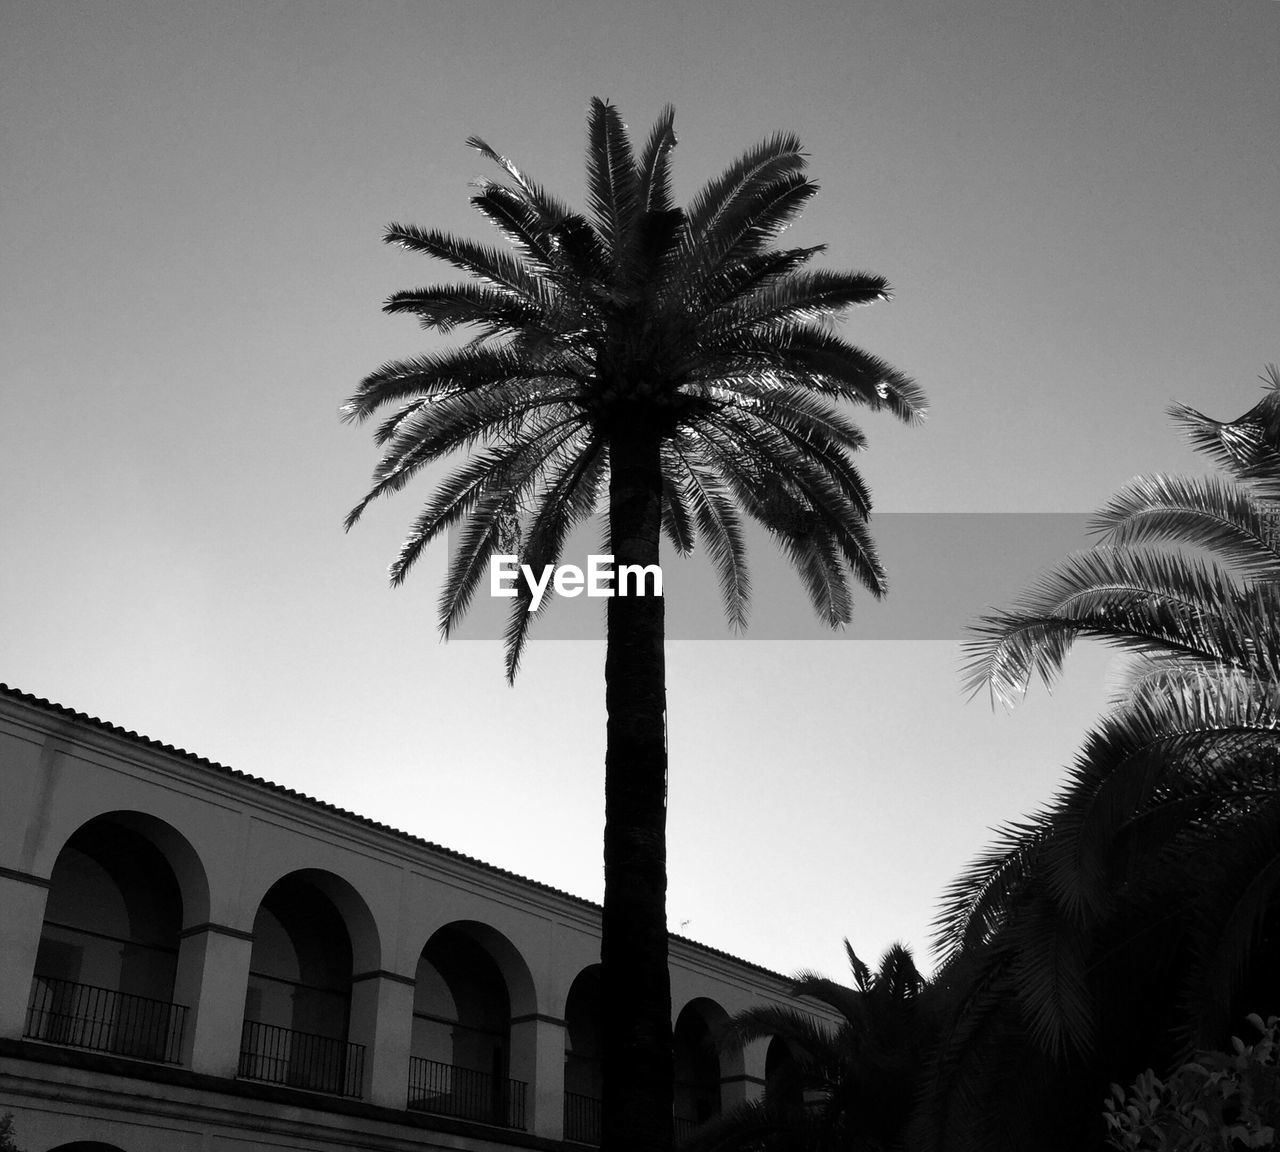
[(782, 1086), (309, 930), (509, 959), (582, 1058), (86, 1146), (357, 917), (702, 1064), (469, 984), (106, 964)]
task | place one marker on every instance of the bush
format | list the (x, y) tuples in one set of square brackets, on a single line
[(1217, 1102), (7, 1142)]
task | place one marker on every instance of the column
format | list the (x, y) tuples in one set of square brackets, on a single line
[(382, 1020), (537, 1058), (213, 974), (22, 903), (748, 1084)]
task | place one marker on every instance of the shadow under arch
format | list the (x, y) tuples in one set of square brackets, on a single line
[(357, 918), (511, 963), (86, 1146), (313, 936), (474, 1011), (782, 1085), (179, 855), (121, 889), (703, 1062), (582, 1057)]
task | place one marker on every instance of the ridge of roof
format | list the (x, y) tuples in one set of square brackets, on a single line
[(204, 762)]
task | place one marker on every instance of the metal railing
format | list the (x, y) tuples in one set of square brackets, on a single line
[(103, 1020), (685, 1128), (300, 1060), (447, 1090), (581, 1118), (582, 1121)]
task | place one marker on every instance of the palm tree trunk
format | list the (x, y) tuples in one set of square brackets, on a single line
[(635, 981)]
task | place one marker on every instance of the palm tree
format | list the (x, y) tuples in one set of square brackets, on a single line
[(667, 364), (845, 1089), (1136, 915)]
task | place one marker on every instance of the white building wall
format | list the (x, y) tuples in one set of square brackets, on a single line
[(229, 839)]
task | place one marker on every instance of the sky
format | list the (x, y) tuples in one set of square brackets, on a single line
[(1075, 205)]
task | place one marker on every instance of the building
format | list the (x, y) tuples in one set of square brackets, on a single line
[(192, 958)]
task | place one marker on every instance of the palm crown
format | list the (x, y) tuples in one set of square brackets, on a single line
[(847, 1087), (639, 320), (1137, 912)]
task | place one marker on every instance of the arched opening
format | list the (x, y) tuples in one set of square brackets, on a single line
[(86, 1146), (582, 1087), (697, 1069), (461, 1044), (298, 1001), (108, 953), (782, 1087)]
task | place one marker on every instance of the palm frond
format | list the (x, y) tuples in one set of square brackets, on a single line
[(745, 228), (730, 283), (1140, 600), (1249, 447), (1241, 886), (831, 366), (677, 522), (808, 1039), (778, 156), (800, 296), (977, 903), (807, 494), (570, 496), (1207, 513), (549, 209), (720, 528), (444, 307), (455, 370), (653, 192), (491, 265), (1048, 970), (612, 184), (519, 221), (507, 471)]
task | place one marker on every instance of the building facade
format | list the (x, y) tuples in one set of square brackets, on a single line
[(195, 959)]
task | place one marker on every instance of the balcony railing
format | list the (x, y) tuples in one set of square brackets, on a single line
[(447, 1090), (684, 1128), (582, 1121), (103, 1020), (300, 1060), (581, 1118)]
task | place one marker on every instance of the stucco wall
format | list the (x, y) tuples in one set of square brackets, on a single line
[(228, 839)]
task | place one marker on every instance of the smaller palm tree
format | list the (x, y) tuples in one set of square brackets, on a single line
[(1131, 918), (848, 1088)]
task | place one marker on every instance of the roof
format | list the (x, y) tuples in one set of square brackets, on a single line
[(257, 781)]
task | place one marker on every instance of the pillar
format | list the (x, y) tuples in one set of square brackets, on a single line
[(537, 1058), (382, 1020), (22, 904), (212, 977)]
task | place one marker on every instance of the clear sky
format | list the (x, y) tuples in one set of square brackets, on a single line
[(1076, 204)]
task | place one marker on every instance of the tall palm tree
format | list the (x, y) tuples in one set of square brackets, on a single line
[(671, 366), (1139, 912), (848, 1088)]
